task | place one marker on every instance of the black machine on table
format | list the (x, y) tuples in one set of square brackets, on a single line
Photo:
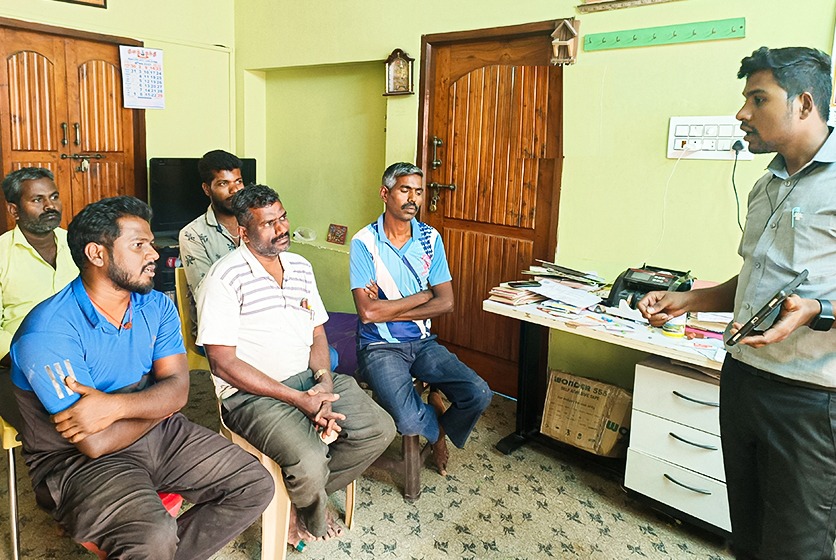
[(634, 283)]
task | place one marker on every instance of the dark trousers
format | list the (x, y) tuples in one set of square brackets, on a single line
[(389, 369), (112, 501), (311, 470), (780, 460)]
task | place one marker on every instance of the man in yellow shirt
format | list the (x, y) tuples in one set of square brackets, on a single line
[(35, 261)]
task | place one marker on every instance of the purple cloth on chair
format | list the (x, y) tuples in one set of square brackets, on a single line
[(341, 330)]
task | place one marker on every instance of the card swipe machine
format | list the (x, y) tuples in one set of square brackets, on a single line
[(632, 284)]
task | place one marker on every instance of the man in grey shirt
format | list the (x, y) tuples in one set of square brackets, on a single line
[(777, 411)]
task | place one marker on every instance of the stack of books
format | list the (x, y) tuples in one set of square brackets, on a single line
[(514, 296), (707, 325)]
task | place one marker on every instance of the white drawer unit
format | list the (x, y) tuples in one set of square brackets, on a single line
[(682, 489), (677, 393), (677, 443), (675, 455)]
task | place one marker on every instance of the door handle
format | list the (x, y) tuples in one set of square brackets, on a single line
[(83, 156), (64, 140), (437, 143), (436, 188), (77, 128)]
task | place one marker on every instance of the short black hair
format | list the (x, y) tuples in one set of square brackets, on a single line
[(252, 196), (216, 160), (13, 182), (796, 69), (401, 169), (98, 222)]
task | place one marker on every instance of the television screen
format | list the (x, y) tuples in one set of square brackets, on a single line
[(176, 194)]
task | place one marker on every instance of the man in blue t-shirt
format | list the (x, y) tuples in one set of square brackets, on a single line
[(399, 280), (100, 373)]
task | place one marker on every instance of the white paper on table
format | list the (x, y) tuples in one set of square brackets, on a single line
[(713, 317), (624, 310), (571, 296)]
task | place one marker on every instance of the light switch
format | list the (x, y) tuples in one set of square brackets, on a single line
[(705, 138)]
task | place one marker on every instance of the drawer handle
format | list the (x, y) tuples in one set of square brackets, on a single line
[(691, 488), (700, 445), (687, 398)]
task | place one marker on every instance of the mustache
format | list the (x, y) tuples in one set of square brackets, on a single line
[(151, 266), (49, 214), (408, 204), (278, 238)]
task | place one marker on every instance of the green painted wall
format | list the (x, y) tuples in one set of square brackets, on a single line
[(198, 64), (325, 134), (616, 110)]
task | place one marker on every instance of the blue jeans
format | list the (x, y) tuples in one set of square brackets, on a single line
[(389, 369)]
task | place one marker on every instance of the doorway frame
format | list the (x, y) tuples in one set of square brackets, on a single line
[(140, 160)]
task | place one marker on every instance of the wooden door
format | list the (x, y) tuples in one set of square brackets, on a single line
[(61, 100), (33, 107), (99, 125), (496, 105)]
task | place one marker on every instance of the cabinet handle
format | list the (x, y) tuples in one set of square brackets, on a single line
[(64, 140), (687, 398), (700, 445), (691, 488), (77, 128)]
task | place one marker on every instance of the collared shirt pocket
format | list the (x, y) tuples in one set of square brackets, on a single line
[(810, 242)]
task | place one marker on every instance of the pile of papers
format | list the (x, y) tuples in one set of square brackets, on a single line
[(514, 296), (557, 272)]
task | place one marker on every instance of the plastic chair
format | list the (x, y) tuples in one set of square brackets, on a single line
[(10, 441), (275, 521), (171, 502), (196, 359)]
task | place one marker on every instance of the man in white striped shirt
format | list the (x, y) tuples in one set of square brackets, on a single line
[(261, 322)]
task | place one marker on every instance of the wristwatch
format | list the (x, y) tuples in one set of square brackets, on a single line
[(824, 320)]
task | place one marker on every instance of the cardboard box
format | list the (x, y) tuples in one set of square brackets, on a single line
[(587, 414)]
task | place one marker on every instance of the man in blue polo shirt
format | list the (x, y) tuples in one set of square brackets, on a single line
[(399, 280), (100, 373)]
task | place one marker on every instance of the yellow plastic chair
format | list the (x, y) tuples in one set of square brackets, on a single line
[(10, 441), (196, 359)]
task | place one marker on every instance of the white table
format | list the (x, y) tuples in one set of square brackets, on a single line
[(533, 368)]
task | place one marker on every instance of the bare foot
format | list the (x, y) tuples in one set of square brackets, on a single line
[(334, 528), (440, 452), (297, 534)]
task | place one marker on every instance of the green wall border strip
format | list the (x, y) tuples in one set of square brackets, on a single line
[(733, 28)]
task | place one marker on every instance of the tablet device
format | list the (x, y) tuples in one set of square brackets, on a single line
[(767, 309)]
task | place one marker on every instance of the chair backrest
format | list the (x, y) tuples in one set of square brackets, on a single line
[(196, 358), (9, 435)]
